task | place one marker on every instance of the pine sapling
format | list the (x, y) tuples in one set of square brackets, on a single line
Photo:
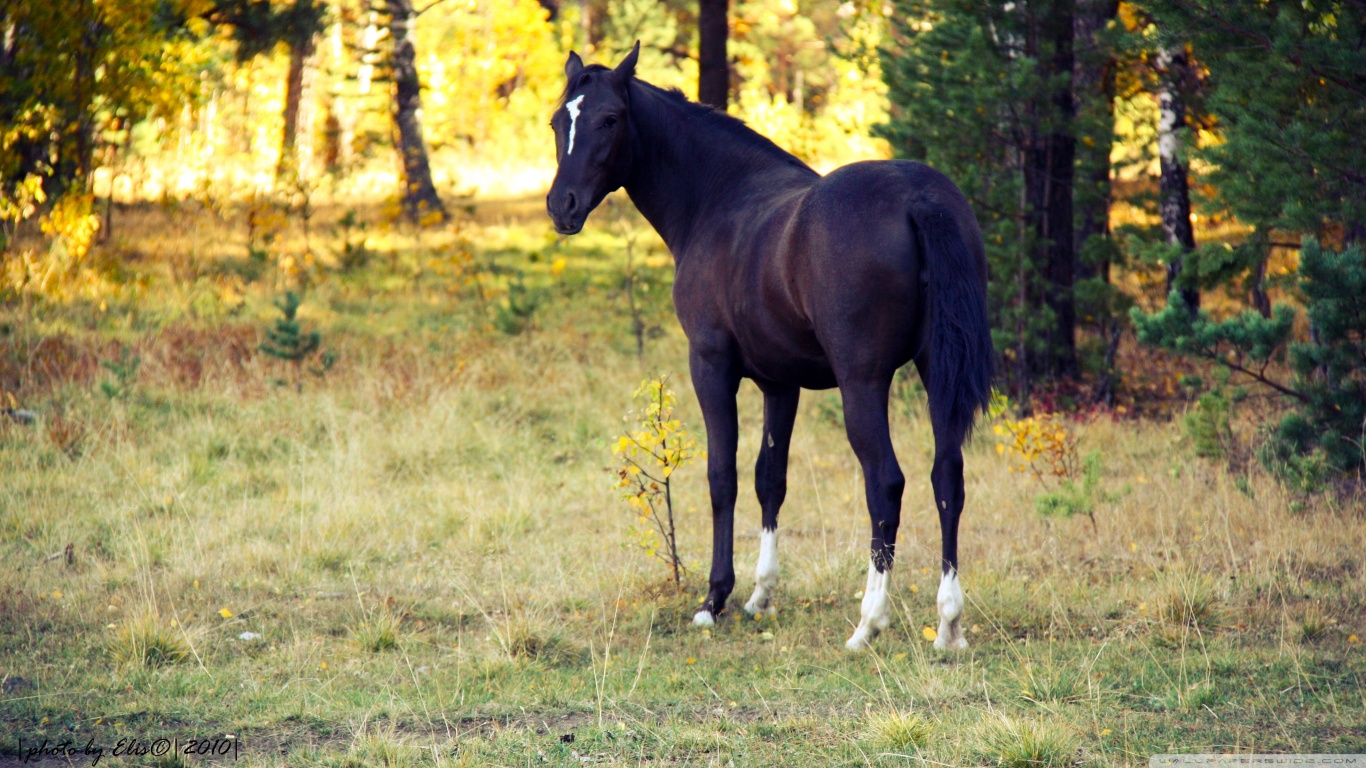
[(288, 341)]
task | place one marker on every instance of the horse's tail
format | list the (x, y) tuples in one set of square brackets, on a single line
[(961, 355)]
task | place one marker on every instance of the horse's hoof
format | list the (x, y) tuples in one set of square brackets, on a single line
[(945, 643), (758, 606), (950, 637), (859, 641), (703, 619)]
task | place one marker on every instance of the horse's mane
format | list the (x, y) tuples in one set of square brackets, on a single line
[(732, 127)]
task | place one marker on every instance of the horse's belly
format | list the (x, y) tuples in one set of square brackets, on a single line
[(786, 359)]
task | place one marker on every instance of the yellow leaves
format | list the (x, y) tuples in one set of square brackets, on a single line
[(653, 448), (557, 267), (1044, 443), (72, 223), (929, 634), (225, 613)]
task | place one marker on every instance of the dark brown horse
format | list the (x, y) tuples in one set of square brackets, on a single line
[(795, 281)]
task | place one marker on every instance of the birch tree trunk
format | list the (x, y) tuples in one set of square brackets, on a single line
[(419, 194), (1173, 134)]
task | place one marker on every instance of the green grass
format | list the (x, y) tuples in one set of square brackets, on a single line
[(438, 567)]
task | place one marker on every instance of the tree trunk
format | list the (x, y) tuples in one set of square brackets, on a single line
[(300, 51), (1094, 84), (1048, 181), (419, 194), (713, 70), (1173, 131)]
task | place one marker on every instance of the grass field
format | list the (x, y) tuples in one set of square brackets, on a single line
[(434, 568)]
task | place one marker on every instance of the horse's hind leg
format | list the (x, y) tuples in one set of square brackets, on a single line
[(947, 479), (865, 421), (770, 484)]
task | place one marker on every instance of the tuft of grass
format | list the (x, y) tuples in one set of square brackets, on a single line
[(521, 637), (146, 640), (897, 729), (1060, 684), (1186, 697), (1312, 626), (377, 632), (66, 434), (384, 750), (1017, 743), (1189, 604)]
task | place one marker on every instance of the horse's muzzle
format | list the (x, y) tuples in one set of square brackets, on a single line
[(566, 212)]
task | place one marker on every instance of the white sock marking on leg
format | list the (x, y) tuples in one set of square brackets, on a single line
[(703, 619), (765, 574), (875, 613), (950, 602), (573, 109)]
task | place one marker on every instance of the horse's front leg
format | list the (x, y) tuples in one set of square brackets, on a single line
[(715, 378), (865, 420)]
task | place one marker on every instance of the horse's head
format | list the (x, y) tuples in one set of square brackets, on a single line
[(591, 139)]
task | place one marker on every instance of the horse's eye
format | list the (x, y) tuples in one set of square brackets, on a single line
[(609, 121)]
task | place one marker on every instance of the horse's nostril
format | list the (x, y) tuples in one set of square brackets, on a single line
[(570, 203)]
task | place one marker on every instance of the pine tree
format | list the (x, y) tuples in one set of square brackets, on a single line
[(1324, 431), (288, 341), (1287, 89)]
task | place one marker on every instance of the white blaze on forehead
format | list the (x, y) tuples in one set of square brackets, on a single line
[(573, 108)]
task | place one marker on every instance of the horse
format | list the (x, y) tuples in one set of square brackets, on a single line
[(795, 281)]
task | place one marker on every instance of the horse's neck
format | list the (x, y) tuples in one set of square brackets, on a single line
[(683, 178)]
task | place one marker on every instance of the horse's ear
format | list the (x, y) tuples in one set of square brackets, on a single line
[(573, 66), (627, 67)]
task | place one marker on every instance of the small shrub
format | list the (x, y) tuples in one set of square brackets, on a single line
[(1046, 447), (1207, 426), (1043, 445), (125, 370), (146, 640), (354, 256), (897, 729), (1012, 743), (516, 312), (647, 457), (1075, 497), (288, 341)]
